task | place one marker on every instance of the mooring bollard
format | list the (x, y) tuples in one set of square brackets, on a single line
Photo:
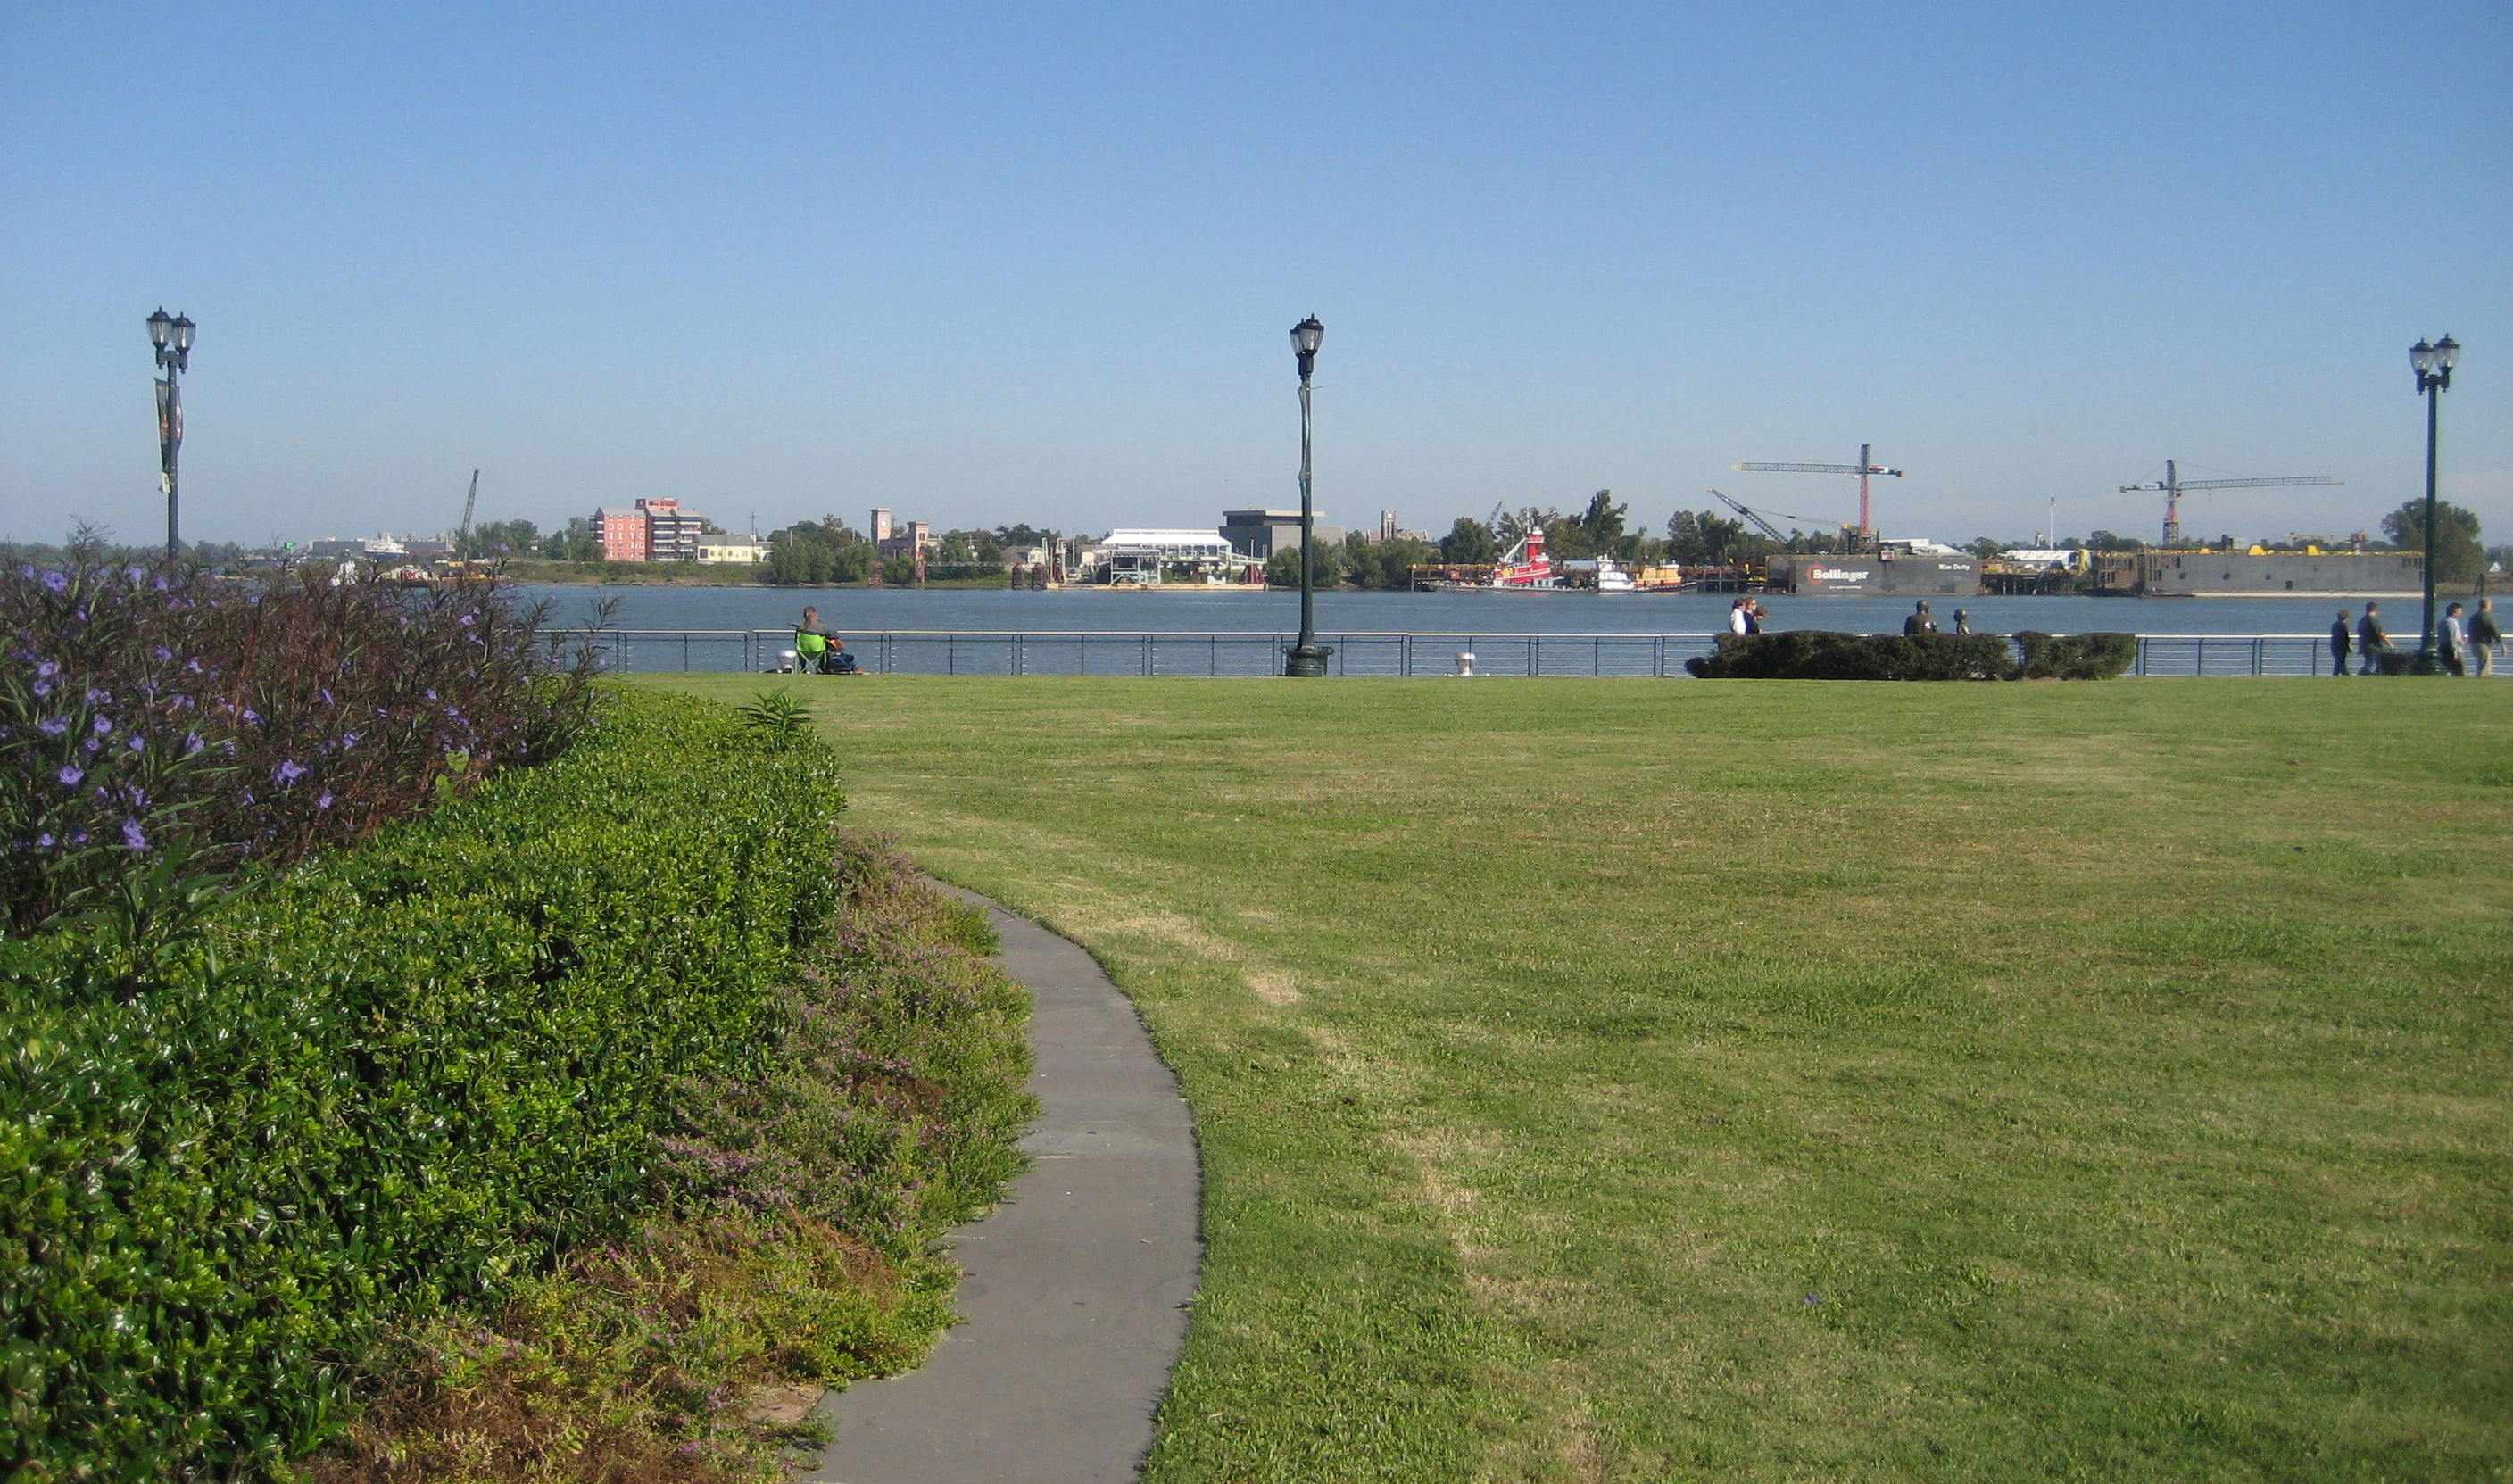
[(1465, 662)]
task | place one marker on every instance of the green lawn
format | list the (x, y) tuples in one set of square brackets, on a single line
[(1778, 1081)]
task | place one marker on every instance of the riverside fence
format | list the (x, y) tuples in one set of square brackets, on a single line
[(1158, 651)]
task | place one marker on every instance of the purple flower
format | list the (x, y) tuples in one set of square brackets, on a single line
[(43, 687), (103, 725), (131, 838), (431, 693), (138, 743), (250, 714), (193, 743), (43, 842), (348, 740), (326, 694), (290, 773), (48, 670), (91, 745), (163, 653), (53, 726), (132, 574), (69, 776), (56, 583), (325, 802)]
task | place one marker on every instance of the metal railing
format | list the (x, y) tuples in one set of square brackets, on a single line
[(1155, 652)]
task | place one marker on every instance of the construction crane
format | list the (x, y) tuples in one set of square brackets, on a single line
[(1766, 527), (2174, 486), (1865, 466), (463, 540)]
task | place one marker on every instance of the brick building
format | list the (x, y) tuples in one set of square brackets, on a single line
[(622, 534)]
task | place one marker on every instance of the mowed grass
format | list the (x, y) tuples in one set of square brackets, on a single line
[(1776, 1081)]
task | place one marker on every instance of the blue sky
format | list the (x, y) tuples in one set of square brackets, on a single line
[(990, 263)]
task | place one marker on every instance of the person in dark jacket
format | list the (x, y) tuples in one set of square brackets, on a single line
[(2486, 640), (2371, 642), (2339, 645)]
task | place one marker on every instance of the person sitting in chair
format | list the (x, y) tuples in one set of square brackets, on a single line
[(818, 652)]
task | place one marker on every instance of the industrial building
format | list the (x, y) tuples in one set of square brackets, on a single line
[(1260, 534)]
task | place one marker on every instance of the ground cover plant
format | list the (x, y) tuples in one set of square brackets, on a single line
[(793, 1244), (1623, 1080), (407, 1076)]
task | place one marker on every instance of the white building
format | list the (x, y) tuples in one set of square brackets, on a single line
[(730, 548), (1142, 557)]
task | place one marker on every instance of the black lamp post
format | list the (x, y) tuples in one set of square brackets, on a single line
[(173, 337), (2433, 365), (1307, 657)]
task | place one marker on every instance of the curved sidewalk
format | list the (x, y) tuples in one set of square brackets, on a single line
[(1075, 1298)]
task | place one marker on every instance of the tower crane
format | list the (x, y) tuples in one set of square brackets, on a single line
[(1766, 527), (463, 541), (2172, 486), (1865, 466)]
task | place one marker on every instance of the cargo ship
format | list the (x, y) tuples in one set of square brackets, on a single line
[(1917, 570), (2257, 573)]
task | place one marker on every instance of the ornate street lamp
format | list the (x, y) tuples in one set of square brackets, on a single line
[(1307, 657), (2433, 365), (173, 337)]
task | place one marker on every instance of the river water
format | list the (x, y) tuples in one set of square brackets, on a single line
[(859, 610)]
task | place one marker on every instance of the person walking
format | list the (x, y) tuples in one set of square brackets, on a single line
[(1919, 622), (2340, 645), (2371, 642), (2455, 636), (2486, 640)]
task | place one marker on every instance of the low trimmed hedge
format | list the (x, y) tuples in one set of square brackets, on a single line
[(401, 1074), (1813, 653), (2075, 657)]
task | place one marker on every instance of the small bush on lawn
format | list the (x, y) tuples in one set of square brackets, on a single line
[(2075, 657), (401, 1076), (797, 1245), (152, 711), (1806, 653)]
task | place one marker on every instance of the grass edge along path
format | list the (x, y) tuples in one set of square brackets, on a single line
[(1620, 1080), (801, 1252)]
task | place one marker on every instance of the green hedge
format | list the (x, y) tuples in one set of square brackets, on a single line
[(1811, 653), (2075, 657), (399, 1075)]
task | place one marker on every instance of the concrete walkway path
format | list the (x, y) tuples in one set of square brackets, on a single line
[(1077, 1285)]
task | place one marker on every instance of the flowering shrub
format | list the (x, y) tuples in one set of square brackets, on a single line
[(152, 710)]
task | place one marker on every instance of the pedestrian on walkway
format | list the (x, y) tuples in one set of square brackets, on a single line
[(2371, 642), (2455, 636), (2339, 644), (2486, 640)]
